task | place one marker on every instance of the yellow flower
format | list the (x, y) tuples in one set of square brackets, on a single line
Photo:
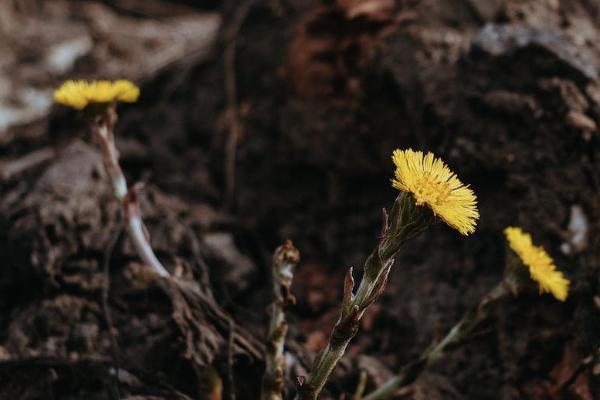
[(79, 94), (540, 264), (432, 183)]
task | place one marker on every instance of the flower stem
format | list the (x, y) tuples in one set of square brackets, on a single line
[(102, 128), (360, 387), (285, 259), (345, 329), (136, 233), (405, 222), (436, 352)]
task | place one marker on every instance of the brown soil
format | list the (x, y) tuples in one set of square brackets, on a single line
[(317, 94)]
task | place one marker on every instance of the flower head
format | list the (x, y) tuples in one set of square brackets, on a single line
[(432, 183), (540, 264), (79, 94)]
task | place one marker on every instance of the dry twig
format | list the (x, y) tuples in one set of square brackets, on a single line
[(285, 259), (233, 112)]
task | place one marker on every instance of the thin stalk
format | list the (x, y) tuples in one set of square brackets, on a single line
[(138, 237), (102, 129), (346, 326), (436, 351), (405, 222), (360, 387), (285, 259)]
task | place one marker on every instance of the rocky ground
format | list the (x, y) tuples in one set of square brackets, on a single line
[(266, 120)]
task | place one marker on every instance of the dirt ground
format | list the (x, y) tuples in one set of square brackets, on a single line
[(262, 120)]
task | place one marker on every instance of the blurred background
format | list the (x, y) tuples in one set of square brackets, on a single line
[(261, 120)]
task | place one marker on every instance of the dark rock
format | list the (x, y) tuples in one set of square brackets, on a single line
[(506, 40)]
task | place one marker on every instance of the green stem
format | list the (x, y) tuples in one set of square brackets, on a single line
[(405, 222), (344, 330), (327, 362), (436, 352), (360, 387)]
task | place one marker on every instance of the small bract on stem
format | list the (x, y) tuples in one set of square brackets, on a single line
[(285, 260), (428, 190), (97, 101)]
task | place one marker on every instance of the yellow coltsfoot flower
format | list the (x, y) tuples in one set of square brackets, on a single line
[(432, 183), (540, 264), (80, 94)]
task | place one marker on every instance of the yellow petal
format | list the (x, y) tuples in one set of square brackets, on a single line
[(79, 94), (433, 184), (540, 264)]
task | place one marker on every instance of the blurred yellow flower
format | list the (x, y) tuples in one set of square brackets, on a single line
[(540, 264), (79, 94), (432, 183)]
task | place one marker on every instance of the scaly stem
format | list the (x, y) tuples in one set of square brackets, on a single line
[(102, 129), (347, 325), (405, 222), (285, 259), (436, 352)]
